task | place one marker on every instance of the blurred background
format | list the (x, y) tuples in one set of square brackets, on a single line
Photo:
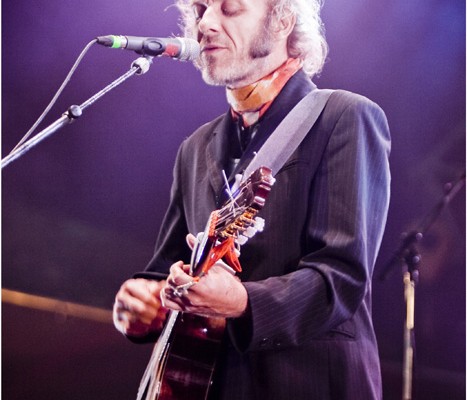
[(80, 212)]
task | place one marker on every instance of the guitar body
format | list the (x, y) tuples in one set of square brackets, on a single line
[(194, 348)]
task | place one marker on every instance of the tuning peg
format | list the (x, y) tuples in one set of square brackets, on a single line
[(241, 240), (259, 224), (250, 231)]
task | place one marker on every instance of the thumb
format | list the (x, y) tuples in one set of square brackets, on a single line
[(191, 240)]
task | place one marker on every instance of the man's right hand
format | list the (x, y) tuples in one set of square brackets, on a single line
[(137, 309)]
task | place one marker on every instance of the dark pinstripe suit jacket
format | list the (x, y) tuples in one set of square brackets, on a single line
[(309, 334)]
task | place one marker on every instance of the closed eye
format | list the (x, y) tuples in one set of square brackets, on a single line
[(231, 7), (199, 9)]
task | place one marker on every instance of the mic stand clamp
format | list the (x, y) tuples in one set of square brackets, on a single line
[(139, 66)]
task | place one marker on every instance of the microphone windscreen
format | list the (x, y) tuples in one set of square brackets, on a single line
[(190, 49)]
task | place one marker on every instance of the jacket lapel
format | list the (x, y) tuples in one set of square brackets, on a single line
[(296, 88), (216, 153)]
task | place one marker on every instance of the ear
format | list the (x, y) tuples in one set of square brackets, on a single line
[(282, 26)]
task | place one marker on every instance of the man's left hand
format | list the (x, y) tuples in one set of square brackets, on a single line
[(217, 294)]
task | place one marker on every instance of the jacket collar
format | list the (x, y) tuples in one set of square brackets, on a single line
[(217, 155)]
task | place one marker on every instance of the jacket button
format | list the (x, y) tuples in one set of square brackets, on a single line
[(277, 343), (264, 342)]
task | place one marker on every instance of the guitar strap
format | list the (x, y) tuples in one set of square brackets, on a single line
[(288, 135)]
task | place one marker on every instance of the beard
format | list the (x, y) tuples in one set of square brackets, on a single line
[(229, 72)]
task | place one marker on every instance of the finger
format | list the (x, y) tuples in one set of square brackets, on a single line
[(181, 295), (174, 293), (154, 287), (178, 276), (137, 301), (176, 268), (132, 310), (186, 268), (169, 301), (191, 240), (123, 315), (140, 289)]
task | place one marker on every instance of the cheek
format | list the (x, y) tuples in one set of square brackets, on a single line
[(261, 45)]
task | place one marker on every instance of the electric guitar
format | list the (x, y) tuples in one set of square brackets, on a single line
[(183, 359)]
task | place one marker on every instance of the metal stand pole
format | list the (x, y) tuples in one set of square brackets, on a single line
[(139, 67), (407, 252), (410, 280)]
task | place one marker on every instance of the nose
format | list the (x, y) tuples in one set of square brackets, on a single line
[(209, 21)]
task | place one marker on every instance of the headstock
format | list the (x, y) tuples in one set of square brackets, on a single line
[(234, 223)]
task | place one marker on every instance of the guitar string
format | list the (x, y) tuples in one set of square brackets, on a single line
[(155, 368)]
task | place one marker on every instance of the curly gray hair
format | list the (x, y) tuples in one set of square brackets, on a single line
[(307, 40)]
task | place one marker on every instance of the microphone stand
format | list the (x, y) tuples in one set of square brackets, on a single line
[(408, 253), (139, 66)]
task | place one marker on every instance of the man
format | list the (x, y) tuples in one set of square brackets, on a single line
[(299, 315)]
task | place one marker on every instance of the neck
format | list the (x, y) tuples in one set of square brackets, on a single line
[(251, 101)]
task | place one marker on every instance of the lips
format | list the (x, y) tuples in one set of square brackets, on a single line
[(210, 47)]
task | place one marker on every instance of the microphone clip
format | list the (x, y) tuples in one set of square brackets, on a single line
[(142, 64)]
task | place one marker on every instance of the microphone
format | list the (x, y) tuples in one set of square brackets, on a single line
[(183, 49)]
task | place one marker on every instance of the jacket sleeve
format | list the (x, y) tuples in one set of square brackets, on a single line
[(348, 203)]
